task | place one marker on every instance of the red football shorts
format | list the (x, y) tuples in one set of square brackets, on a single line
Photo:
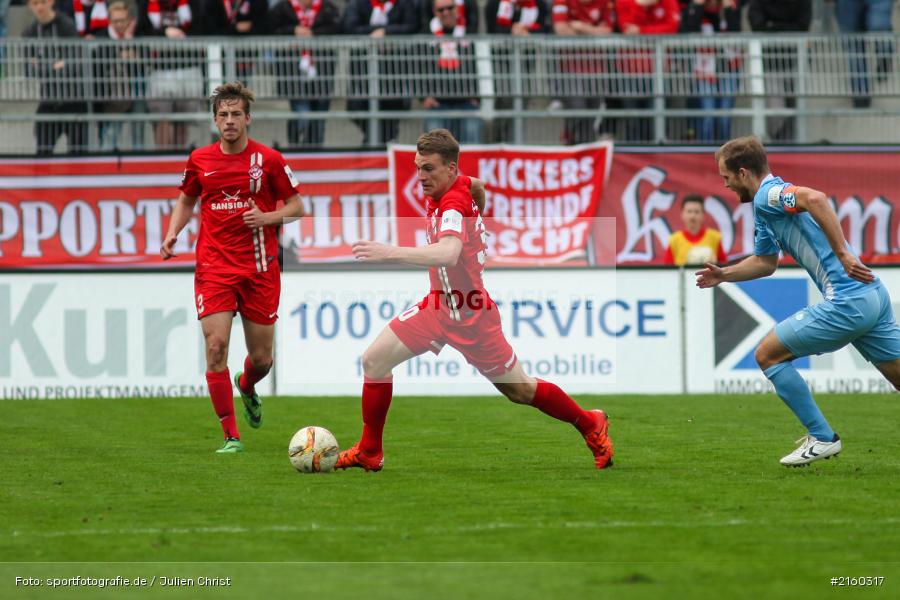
[(254, 295), (421, 328)]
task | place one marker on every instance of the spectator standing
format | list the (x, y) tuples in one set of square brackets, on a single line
[(866, 16), (237, 19), (582, 69), (305, 75), (379, 19), (518, 18), (779, 60), (89, 16), (59, 76), (177, 77), (468, 13), (452, 71), (715, 70), (119, 76), (643, 17), (694, 244)]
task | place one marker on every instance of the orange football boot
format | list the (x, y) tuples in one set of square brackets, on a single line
[(598, 441), (354, 457)]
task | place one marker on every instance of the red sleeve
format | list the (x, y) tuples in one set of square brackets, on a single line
[(190, 180), (560, 11), (723, 258), (668, 24), (629, 13), (455, 209), (626, 13), (282, 180)]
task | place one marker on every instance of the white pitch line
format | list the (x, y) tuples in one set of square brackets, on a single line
[(481, 527)]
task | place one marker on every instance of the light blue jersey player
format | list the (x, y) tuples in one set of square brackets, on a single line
[(857, 310)]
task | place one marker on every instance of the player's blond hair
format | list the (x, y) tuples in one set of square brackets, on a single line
[(744, 153), (440, 142), (228, 92)]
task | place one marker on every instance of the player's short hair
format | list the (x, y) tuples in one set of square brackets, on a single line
[(692, 198), (744, 153), (228, 92), (441, 142)]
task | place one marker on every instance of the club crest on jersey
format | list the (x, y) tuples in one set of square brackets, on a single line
[(256, 172)]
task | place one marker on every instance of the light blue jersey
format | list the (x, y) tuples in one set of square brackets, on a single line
[(853, 311), (779, 225)]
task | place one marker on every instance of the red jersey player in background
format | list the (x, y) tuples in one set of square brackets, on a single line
[(239, 183), (458, 311)]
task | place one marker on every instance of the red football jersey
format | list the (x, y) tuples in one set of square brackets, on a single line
[(225, 183), (459, 289), (594, 12)]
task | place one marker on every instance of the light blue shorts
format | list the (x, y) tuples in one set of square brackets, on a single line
[(866, 321)]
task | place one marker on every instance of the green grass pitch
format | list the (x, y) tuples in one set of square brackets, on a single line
[(479, 498)]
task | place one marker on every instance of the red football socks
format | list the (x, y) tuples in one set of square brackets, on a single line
[(551, 400), (223, 401), (250, 376), (376, 400)]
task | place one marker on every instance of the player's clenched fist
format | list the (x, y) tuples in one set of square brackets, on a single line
[(371, 251), (167, 250)]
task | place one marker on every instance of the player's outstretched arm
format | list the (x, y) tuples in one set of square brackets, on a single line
[(477, 189), (444, 253), (181, 216), (752, 267), (817, 205)]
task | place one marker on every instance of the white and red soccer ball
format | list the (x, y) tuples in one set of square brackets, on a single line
[(313, 450)]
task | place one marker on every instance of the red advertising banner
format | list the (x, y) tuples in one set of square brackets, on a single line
[(541, 201), (645, 190), (113, 212)]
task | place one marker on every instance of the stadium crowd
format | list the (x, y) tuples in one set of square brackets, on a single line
[(173, 81)]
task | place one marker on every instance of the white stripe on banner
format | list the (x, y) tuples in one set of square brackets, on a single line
[(52, 182), (342, 176)]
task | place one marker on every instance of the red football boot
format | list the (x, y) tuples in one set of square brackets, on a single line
[(354, 457), (598, 440)]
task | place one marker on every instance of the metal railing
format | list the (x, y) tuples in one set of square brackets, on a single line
[(350, 91)]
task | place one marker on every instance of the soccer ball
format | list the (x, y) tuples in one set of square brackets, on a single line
[(313, 449)]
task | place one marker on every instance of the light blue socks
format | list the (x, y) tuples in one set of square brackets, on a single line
[(791, 388)]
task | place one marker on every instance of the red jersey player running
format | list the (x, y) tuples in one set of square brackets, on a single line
[(458, 311), (239, 182)]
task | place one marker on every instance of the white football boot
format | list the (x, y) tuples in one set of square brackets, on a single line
[(811, 450)]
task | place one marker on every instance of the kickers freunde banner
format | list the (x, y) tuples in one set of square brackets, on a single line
[(541, 201)]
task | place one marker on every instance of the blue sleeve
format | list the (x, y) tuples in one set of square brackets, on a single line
[(776, 200), (763, 242)]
